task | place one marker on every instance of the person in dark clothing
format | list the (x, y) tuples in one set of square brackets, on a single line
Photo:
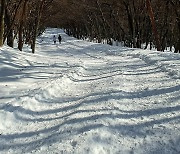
[(59, 38)]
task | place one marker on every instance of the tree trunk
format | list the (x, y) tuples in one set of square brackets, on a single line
[(131, 37), (10, 27), (176, 5), (154, 28), (20, 35), (37, 22), (2, 14), (10, 40)]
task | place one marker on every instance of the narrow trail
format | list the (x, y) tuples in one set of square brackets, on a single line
[(93, 98)]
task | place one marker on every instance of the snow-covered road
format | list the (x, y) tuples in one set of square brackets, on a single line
[(81, 97)]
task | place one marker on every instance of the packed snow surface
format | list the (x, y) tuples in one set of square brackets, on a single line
[(85, 98)]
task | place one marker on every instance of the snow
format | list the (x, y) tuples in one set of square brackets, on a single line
[(83, 97)]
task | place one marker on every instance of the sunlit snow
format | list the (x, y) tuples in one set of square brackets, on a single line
[(79, 97)]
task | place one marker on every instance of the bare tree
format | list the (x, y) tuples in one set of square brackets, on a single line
[(151, 15), (2, 15)]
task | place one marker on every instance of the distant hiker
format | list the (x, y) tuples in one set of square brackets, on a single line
[(59, 38), (54, 39)]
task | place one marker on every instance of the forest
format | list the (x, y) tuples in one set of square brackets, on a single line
[(135, 23)]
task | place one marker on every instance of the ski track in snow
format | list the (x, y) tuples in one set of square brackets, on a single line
[(81, 97)]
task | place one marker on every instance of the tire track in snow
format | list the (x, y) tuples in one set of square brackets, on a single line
[(159, 64)]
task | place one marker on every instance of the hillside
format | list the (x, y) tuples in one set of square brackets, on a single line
[(82, 97)]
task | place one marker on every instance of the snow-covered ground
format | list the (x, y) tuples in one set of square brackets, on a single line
[(86, 98)]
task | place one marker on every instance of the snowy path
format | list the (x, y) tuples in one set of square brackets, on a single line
[(80, 97)]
